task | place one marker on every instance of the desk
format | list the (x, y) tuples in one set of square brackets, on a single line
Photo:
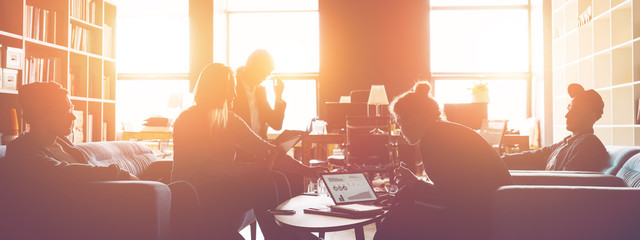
[(319, 223), (510, 140)]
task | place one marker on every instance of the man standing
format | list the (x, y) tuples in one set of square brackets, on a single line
[(251, 103)]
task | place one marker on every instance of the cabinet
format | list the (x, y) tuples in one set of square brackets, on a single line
[(597, 43), (71, 42)]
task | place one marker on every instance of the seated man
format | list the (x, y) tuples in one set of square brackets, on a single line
[(41, 167), (581, 151)]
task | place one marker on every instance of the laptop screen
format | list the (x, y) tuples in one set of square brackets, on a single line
[(349, 187)]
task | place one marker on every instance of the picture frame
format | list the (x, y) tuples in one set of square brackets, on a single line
[(9, 79), (15, 58)]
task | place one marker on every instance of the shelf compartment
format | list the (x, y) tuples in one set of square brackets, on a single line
[(95, 78), (77, 81), (621, 66), (94, 122), (585, 38), (9, 12), (602, 74), (109, 81), (622, 105), (602, 33), (621, 30), (585, 73), (600, 6)]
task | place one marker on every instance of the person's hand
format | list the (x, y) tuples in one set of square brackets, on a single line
[(278, 87), (385, 200), (404, 176)]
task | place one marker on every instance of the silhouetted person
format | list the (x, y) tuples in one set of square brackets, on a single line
[(580, 151), (207, 140), (463, 169), (251, 103), (41, 166)]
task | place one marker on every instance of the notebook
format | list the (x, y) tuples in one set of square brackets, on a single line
[(289, 138)]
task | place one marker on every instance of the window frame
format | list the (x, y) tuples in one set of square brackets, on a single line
[(528, 76)]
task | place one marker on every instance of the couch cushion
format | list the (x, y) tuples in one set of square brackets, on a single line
[(562, 212), (630, 171), (618, 155), (131, 156)]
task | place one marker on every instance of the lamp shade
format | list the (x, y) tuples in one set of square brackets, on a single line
[(378, 95), (8, 121)]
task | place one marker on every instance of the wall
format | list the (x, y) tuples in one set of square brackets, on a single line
[(603, 54), (371, 42)]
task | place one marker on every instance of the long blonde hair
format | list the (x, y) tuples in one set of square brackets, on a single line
[(211, 93)]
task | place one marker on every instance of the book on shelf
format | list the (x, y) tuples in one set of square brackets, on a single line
[(89, 130), (103, 136), (80, 38), (41, 70), (9, 79), (77, 135), (84, 10), (41, 24)]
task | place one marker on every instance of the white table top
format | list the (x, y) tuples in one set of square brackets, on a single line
[(314, 222)]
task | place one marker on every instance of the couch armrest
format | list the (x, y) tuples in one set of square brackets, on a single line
[(563, 212), (567, 179), (123, 210), (159, 171)]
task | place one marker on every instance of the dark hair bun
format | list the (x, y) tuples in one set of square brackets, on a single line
[(575, 89), (422, 88)]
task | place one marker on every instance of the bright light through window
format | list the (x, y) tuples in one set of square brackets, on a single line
[(507, 98), (278, 5), (152, 36), (292, 39), (479, 41), (141, 99), (477, 2), (300, 96)]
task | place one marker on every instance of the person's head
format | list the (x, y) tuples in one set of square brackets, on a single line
[(259, 66), (46, 108), (414, 111), (216, 87), (585, 109)]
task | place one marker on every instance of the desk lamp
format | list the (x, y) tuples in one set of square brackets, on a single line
[(377, 96)]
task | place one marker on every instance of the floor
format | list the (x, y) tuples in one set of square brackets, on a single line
[(369, 231)]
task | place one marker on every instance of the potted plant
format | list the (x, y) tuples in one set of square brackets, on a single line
[(480, 92)]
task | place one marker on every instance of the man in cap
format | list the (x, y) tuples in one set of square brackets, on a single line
[(580, 151)]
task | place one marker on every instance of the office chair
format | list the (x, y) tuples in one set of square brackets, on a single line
[(369, 147)]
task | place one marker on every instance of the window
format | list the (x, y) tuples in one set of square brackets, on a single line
[(289, 30), (153, 60), (488, 41)]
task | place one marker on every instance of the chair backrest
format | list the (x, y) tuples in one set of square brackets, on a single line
[(369, 141), (493, 131), (630, 171)]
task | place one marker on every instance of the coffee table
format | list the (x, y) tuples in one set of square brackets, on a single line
[(319, 223)]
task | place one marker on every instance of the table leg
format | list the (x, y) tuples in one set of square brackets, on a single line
[(359, 233), (321, 235)]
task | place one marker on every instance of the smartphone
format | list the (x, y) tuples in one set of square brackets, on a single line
[(282, 212)]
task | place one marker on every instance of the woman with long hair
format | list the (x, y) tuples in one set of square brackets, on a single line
[(207, 138)]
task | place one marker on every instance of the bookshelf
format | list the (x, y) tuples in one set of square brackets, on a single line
[(71, 42), (597, 43)]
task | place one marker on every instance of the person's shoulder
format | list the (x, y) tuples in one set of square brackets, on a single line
[(22, 146)]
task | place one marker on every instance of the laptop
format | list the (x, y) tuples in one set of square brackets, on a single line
[(353, 195), (288, 139)]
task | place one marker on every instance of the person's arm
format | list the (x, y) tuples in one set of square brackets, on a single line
[(273, 117), (586, 154), (529, 160), (40, 165)]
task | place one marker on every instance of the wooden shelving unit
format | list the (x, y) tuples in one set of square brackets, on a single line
[(603, 53), (76, 40)]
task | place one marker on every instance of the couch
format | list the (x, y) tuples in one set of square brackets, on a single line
[(96, 210), (572, 205)]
